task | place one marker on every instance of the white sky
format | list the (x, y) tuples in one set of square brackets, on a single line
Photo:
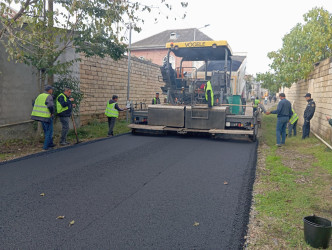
[(252, 26)]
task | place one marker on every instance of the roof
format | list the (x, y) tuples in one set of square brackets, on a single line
[(159, 40), (201, 50), (219, 65), (9, 12)]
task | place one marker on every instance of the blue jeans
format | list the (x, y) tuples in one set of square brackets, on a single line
[(305, 129), (281, 129), (291, 128), (48, 132)]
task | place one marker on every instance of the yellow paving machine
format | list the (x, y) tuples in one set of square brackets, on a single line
[(188, 109)]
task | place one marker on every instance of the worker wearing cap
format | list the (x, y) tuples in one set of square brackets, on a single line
[(308, 114), (64, 109), (292, 124), (284, 113), (156, 100), (209, 93), (43, 109), (112, 112)]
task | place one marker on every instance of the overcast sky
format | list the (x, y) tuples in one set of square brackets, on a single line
[(252, 26)]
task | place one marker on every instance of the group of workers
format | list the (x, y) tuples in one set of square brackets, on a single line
[(286, 116), (44, 110)]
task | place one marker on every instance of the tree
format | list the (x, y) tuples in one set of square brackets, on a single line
[(38, 37), (305, 45), (269, 82)]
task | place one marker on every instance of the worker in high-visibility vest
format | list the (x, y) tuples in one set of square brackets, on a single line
[(255, 104), (64, 109), (156, 100), (209, 94), (292, 124), (112, 112), (43, 109)]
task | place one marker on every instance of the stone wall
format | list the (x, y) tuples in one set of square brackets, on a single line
[(319, 84), (102, 78)]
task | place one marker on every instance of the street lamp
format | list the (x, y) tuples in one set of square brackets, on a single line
[(206, 25)]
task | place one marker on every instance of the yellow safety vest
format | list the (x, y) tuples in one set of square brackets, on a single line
[(208, 87), (294, 117), (59, 107), (257, 101), (39, 108), (111, 111)]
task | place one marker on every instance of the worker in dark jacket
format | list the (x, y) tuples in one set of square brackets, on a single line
[(112, 112), (64, 108), (308, 114), (284, 113), (43, 110), (156, 100)]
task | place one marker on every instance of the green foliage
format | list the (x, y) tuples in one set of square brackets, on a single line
[(305, 45), (38, 37), (269, 81), (74, 84)]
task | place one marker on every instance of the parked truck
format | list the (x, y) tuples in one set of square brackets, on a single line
[(186, 109)]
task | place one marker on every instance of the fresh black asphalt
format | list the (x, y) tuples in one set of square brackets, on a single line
[(129, 192)]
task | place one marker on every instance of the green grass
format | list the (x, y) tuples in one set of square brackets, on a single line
[(97, 129), (11, 149), (294, 182)]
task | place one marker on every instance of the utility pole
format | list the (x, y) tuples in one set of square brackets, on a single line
[(206, 25), (129, 68), (50, 23)]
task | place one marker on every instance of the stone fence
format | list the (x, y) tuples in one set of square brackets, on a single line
[(103, 78), (319, 84)]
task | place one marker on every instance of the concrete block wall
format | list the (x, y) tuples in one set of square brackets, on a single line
[(101, 78), (319, 84)]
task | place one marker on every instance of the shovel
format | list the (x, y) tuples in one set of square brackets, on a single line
[(74, 125)]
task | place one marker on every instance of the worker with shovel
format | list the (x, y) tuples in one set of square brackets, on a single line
[(64, 109)]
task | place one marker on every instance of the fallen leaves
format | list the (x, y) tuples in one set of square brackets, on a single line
[(71, 223), (60, 217), (42, 194), (225, 183), (196, 224)]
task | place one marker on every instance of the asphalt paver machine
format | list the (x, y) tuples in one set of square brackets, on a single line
[(186, 109)]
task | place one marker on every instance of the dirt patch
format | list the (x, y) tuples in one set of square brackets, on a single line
[(295, 160)]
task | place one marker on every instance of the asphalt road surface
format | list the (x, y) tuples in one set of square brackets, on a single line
[(129, 192)]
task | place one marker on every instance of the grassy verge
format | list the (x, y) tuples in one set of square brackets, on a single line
[(95, 130), (292, 182), (12, 149)]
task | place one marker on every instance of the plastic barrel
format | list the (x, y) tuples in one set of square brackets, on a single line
[(317, 231)]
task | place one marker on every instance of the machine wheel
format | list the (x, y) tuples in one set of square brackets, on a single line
[(254, 136)]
